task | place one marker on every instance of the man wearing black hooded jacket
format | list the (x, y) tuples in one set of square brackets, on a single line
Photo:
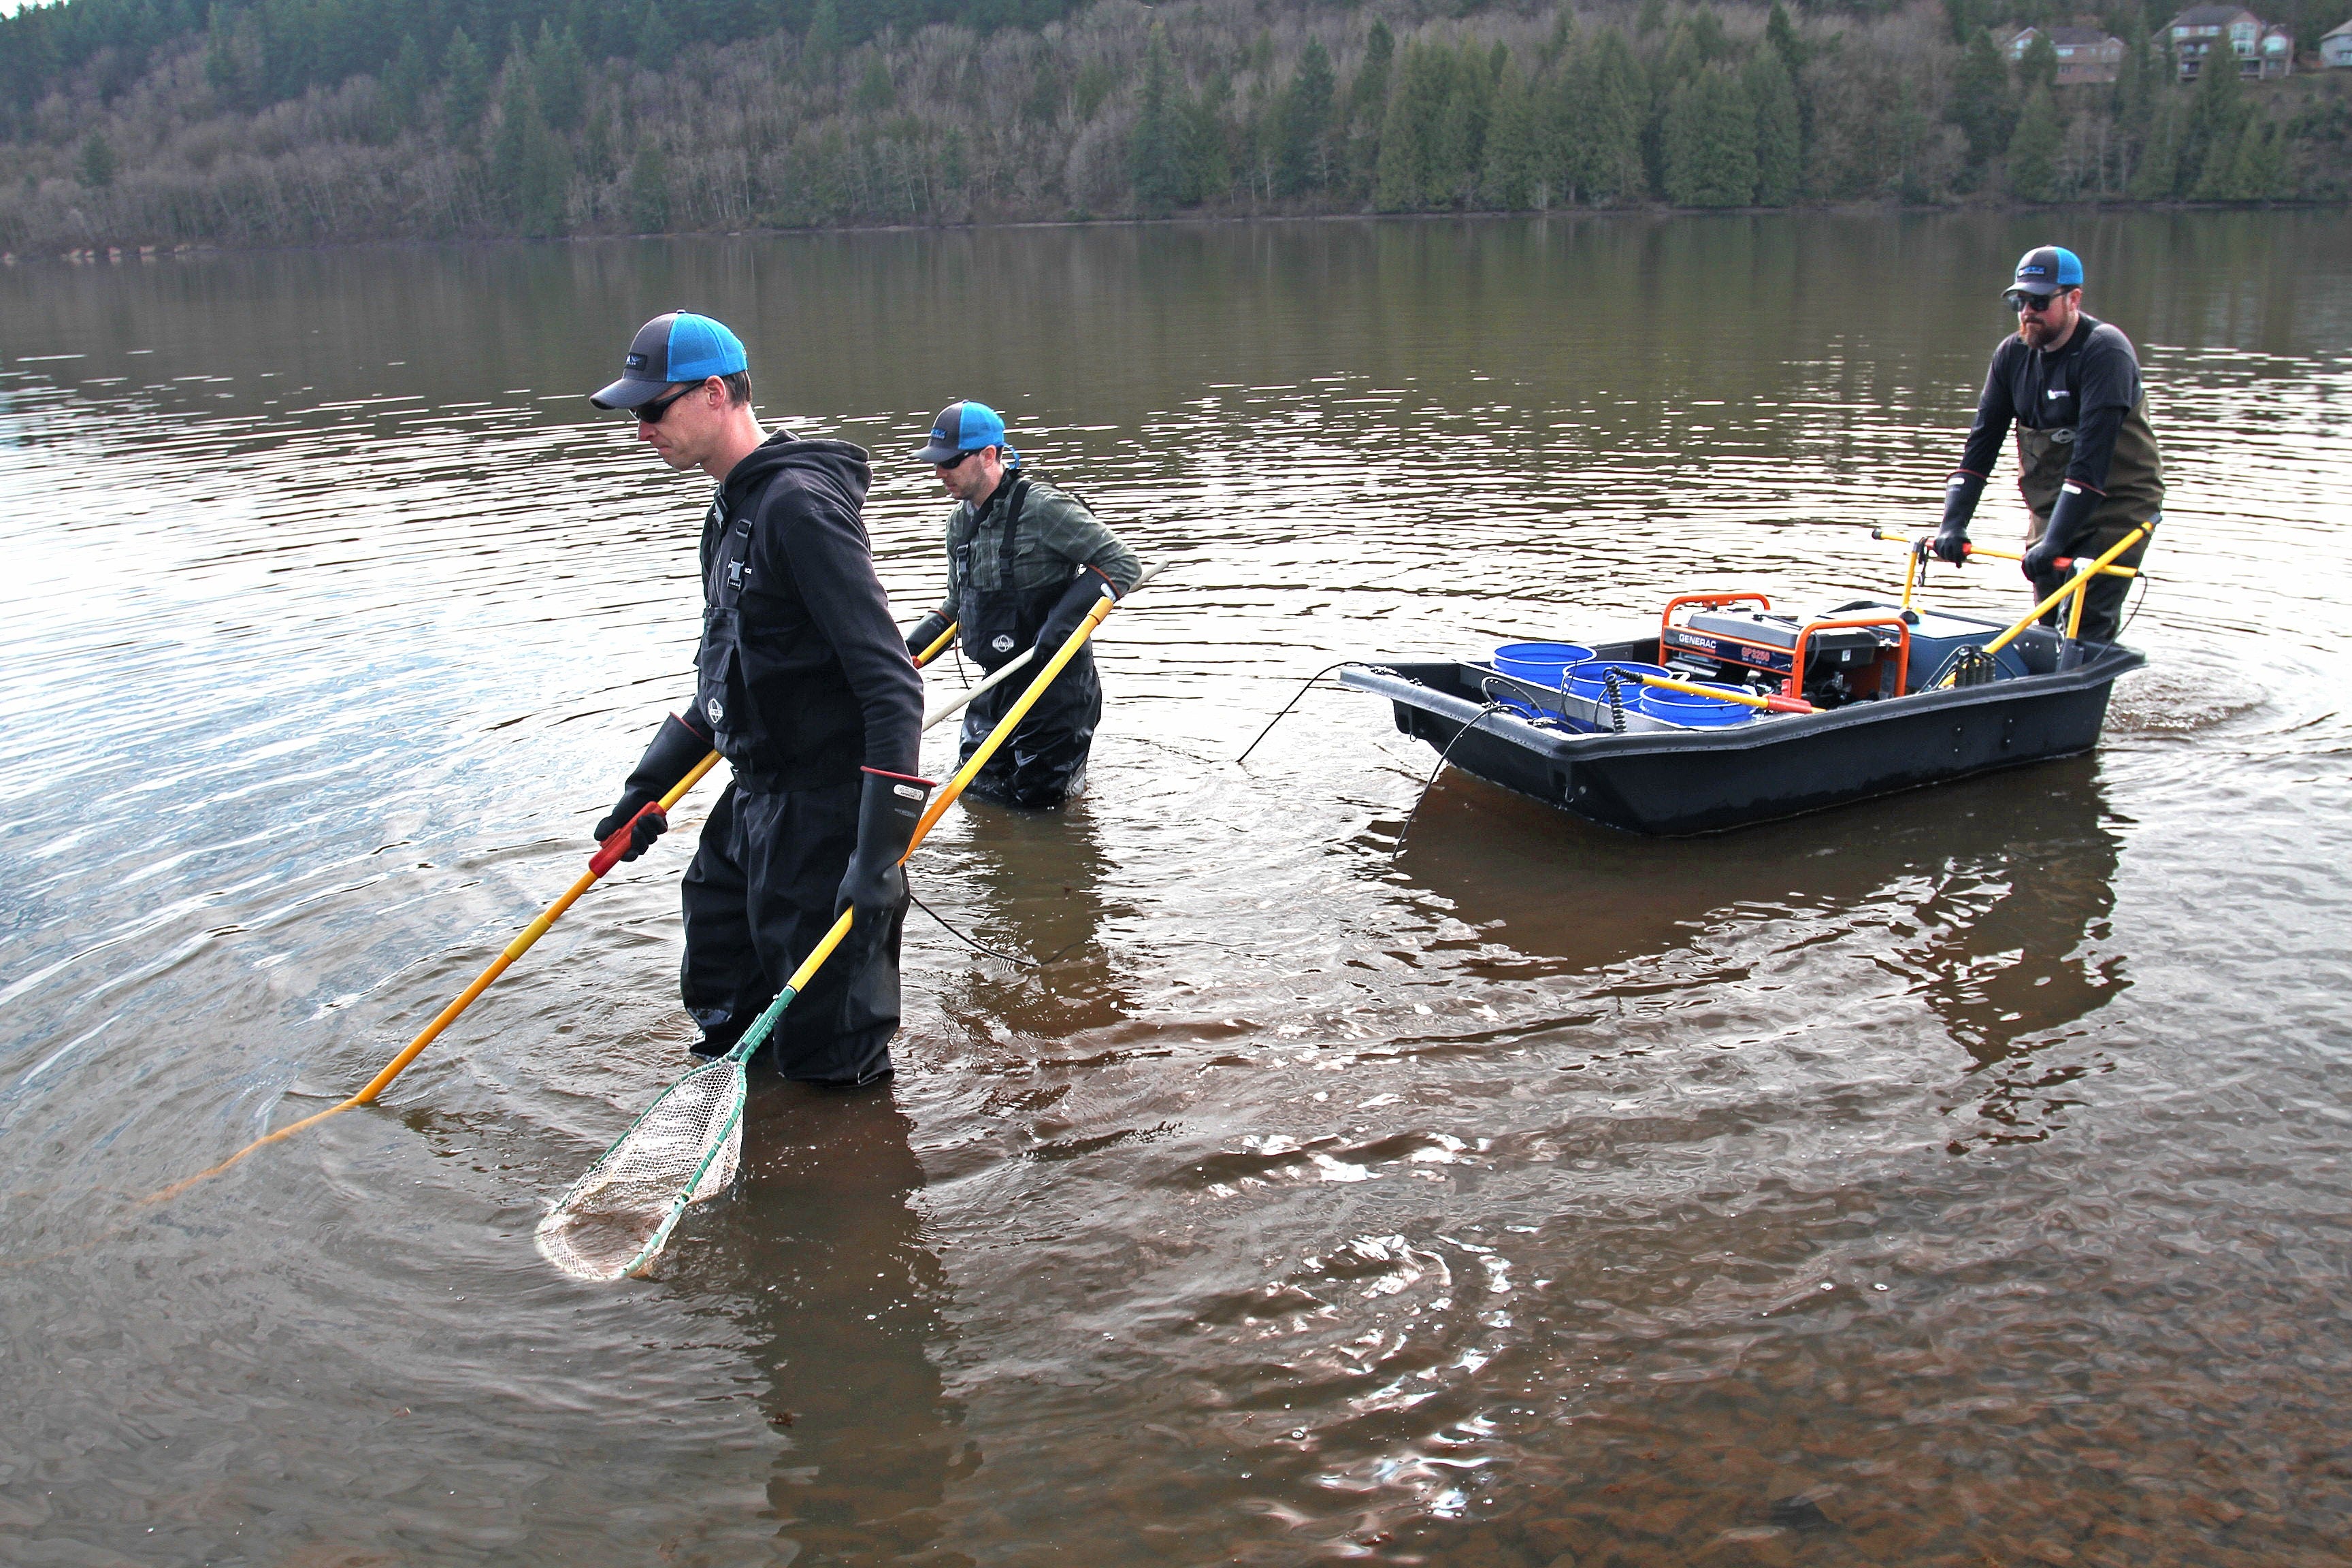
[(803, 685)]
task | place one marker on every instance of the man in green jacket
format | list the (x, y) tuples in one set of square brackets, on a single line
[(1025, 562)]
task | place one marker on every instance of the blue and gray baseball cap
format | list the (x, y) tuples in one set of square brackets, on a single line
[(674, 347), (2045, 269), (964, 427)]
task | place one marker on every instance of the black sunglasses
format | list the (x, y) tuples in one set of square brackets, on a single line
[(957, 461), (2020, 301), (651, 412)]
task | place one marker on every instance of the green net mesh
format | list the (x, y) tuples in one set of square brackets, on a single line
[(683, 1150)]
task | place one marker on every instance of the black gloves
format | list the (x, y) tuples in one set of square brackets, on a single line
[(1085, 590), (927, 632), (677, 747), (875, 886), (2069, 529), (1961, 493)]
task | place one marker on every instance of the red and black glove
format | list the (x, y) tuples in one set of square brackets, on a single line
[(678, 746)]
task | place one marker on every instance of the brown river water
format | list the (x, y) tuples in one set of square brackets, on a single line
[(1956, 1178)]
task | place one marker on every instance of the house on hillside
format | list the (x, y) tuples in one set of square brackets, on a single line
[(2335, 47), (2230, 32), (2084, 53)]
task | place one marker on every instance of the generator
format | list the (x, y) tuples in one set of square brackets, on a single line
[(1857, 653)]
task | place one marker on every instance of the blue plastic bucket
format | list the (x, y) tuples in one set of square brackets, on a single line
[(1539, 662), (1586, 679), (1695, 712)]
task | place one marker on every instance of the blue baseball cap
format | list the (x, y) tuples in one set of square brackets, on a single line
[(2045, 269), (964, 427), (673, 347)]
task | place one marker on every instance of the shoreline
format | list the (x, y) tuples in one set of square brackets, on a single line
[(90, 255)]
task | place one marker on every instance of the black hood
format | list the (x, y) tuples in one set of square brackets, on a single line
[(835, 463)]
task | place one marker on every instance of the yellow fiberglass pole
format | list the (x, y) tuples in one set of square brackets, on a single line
[(606, 857), (947, 797), (2080, 581), (936, 648)]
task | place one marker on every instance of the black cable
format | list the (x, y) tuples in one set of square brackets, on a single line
[(1425, 788), (981, 947), (1287, 707), (2140, 603)]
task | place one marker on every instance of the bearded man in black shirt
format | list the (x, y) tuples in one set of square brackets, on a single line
[(2087, 460)]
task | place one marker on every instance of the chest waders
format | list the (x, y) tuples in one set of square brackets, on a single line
[(1044, 763), (2134, 495)]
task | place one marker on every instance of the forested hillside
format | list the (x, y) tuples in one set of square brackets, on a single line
[(264, 121)]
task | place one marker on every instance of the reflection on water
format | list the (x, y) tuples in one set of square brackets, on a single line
[(819, 1256), (1952, 1177), (1044, 890), (1991, 898)]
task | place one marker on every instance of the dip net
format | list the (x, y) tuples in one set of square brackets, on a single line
[(684, 1149)]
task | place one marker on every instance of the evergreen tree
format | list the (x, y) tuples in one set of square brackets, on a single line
[(465, 93), (1781, 34), (1156, 151), (876, 91), (2039, 66), (2261, 172), (1208, 152), (1093, 85), (405, 84), (597, 158), (656, 43), (1779, 143), (2133, 94), (1607, 105), (2034, 150), (1710, 143), (1960, 15), (1563, 34), (1368, 103), (1369, 94), (1457, 139), (1396, 176), (2254, 170), (649, 190), (1048, 90), (1912, 129), (2158, 177), (95, 165), (1303, 123), (1508, 178), (530, 168), (559, 71), (1980, 98), (824, 39), (236, 63), (2211, 131)]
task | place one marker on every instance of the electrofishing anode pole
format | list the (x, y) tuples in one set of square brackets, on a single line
[(938, 646), (2079, 583), (955, 787), (1922, 545), (711, 1130), (608, 855)]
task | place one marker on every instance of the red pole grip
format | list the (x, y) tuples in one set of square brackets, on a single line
[(617, 844)]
